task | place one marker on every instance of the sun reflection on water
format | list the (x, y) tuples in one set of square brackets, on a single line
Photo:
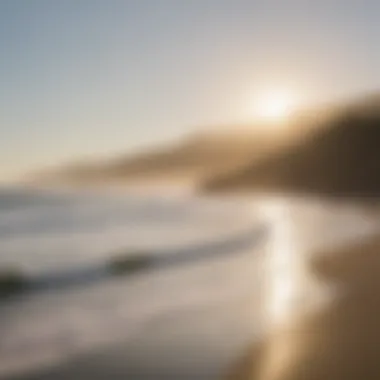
[(291, 287), (284, 267)]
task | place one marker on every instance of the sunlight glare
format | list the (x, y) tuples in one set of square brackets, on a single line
[(273, 107), (282, 263)]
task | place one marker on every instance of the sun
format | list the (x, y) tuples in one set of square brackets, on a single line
[(274, 106)]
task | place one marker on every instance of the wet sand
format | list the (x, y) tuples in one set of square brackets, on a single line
[(340, 341)]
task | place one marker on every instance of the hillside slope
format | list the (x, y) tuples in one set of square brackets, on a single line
[(191, 160), (341, 159)]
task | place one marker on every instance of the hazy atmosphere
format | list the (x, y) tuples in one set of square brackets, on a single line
[(91, 78), (189, 189)]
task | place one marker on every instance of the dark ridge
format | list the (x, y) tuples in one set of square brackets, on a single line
[(341, 159)]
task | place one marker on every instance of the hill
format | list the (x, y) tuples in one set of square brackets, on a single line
[(340, 159), (191, 161)]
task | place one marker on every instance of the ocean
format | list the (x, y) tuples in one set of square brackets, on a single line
[(225, 270)]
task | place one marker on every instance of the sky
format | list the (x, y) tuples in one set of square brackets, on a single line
[(83, 79)]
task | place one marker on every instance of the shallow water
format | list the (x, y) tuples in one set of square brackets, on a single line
[(188, 320)]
